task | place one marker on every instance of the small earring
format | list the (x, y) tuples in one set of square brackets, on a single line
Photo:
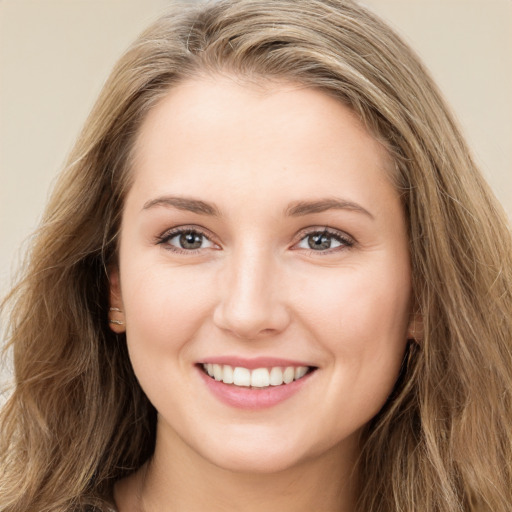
[(115, 322)]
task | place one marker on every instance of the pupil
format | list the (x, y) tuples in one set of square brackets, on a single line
[(191, 240), (321, 241)]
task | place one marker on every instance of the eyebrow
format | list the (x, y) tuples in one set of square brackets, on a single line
[(295, 209), (184, 203), (300, 208)]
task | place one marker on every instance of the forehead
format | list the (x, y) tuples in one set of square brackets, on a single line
[(219, 130)]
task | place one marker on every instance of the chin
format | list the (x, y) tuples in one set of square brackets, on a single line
[(259, 452), (255, 461)]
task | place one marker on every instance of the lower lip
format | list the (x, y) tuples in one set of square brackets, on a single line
[(253, 398)]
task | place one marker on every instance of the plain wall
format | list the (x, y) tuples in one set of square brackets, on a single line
[(55, 55)]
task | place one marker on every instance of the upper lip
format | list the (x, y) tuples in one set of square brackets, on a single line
[(253, 363)]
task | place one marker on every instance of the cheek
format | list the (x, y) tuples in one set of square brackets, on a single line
[(360, 318), (164, 307), (356, 305)]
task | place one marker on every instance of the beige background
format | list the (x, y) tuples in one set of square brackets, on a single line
[(55, 55)]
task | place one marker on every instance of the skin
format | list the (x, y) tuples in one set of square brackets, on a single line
[(256, 288)]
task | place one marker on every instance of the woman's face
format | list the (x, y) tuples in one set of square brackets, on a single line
[(261, 239)]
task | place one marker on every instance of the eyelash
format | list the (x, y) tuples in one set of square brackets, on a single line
[(346, 241), (169, 235)]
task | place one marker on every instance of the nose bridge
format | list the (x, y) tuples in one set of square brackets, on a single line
[(251, 302)]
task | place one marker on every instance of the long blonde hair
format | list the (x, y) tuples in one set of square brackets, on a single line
[(77, 420)]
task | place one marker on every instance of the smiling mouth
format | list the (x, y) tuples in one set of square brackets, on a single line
[(256, 378)]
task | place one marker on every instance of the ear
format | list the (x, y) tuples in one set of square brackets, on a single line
[(415, 328), (116, 317)]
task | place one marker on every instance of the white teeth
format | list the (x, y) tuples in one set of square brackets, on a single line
[(300, 371), (288, 374), (276, 376), (228, 374), (241, 376), (258, 378), (217, 372)]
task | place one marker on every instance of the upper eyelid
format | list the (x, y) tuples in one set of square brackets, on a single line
[(325, 230), (170, 233)]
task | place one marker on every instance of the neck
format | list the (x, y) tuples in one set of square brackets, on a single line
[(177, 479)]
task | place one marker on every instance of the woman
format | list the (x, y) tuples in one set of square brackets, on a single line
[(270, 277)]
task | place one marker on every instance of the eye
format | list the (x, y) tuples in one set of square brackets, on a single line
[(326, 240), (185, 240)]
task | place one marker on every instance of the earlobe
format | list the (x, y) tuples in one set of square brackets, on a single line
[(116, 317), (415, 328)]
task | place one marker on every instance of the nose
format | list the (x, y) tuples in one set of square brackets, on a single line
[(252, 293)]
